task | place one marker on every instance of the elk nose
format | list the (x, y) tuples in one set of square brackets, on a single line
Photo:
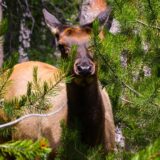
[(84, 70)]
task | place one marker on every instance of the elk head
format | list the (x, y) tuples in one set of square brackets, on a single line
[(67, 36)]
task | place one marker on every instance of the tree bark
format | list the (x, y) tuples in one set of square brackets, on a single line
[(25, 33), (1, 38)]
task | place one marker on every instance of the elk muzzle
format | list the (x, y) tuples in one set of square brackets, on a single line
[(84, 67)]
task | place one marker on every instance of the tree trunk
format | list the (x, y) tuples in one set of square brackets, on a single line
[(25, 33), (1, 38), (24, 38)]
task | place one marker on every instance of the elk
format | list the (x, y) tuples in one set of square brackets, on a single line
[(84, 99)]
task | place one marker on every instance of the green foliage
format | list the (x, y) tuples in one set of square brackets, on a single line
[(122, 63), (3, 26), (66, 64), (135, 96), (4, 81), (72, 148), (25, 150), (150, 153), (10, 62), (43, 55), (69, 7)]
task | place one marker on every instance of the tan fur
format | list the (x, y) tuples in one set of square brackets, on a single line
[(109, 122), (99, 5), (35, 128), (23, 73)]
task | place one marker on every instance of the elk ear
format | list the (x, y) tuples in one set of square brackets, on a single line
[(51, 21), (105, 18), (94, 9)]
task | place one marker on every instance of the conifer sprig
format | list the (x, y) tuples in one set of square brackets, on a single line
[(25, 150)]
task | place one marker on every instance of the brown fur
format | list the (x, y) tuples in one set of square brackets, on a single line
[(92, 108)]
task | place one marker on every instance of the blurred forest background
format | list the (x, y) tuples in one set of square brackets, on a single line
[(129, 67)]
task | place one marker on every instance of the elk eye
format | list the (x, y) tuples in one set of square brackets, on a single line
[(61, 48), (64, 49)]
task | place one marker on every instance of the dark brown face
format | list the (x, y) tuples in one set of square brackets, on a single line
[(79, 36)]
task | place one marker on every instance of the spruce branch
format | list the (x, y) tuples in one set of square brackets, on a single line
[(25, 149), (131, 89), (45, 93), (116, 77), (93, 156), (145, 24), (4, 81), (150, 6), (150, 153), (103, 58), (123, 83), (153, 95), (80, 153), (118, 4), (36, 98), (125, 100)]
